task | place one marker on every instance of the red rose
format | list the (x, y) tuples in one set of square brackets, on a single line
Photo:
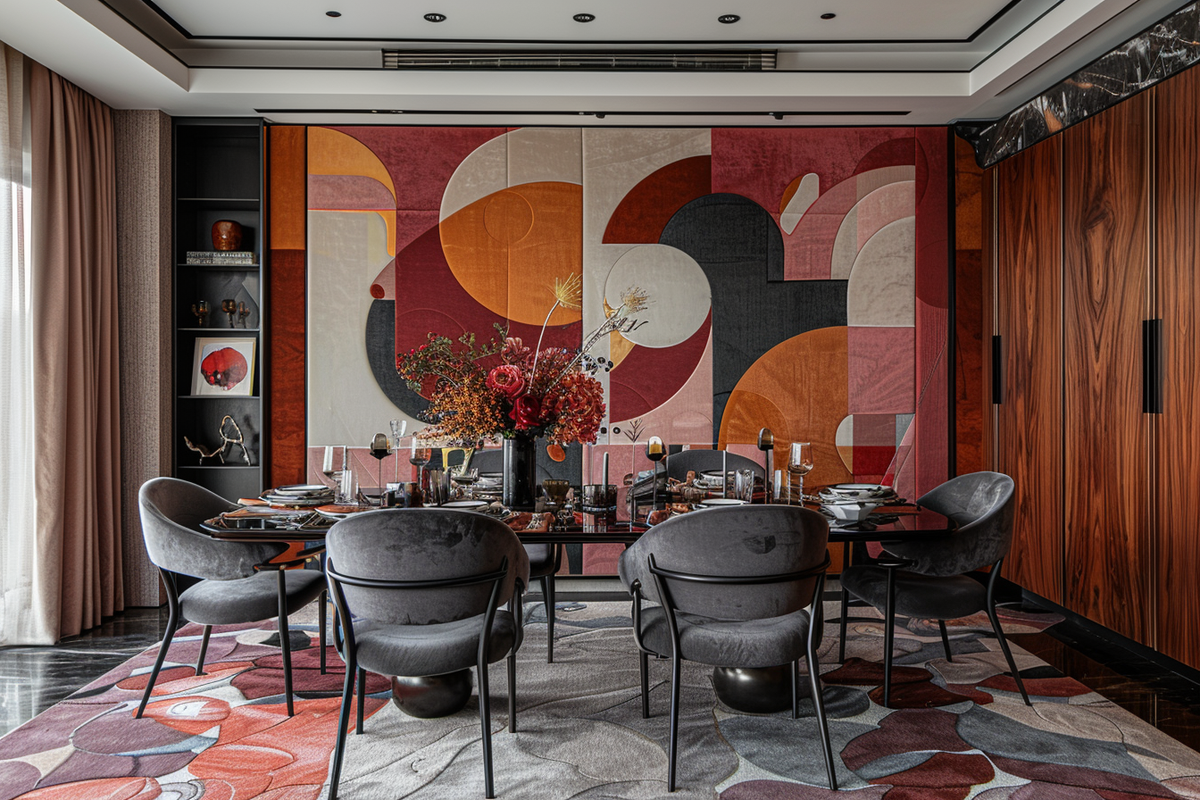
[(527, 411), (507, 380)]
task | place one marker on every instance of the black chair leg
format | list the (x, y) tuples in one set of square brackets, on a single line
[(343, 722), (644, 670), (285, 643), (324, 606), (845, 605), (203, 650), (945, 639), (485, 721), (512, 692), (1012, 665), (674, 740), (168, 635), (548, 598), (362, 701), (889, 623), (814, 677)]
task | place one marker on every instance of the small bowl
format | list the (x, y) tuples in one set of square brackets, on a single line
[(465, 505), (852, 511), (720, 502)]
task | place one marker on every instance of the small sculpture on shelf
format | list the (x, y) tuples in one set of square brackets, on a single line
[(231, 435), (243, 311), (230, 308), (201, 310), (226, 235)]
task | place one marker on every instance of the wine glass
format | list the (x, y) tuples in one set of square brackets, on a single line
[(380, 449), (800, 462), (419, 457), (398, 426)]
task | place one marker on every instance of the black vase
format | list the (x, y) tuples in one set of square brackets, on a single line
[(519, 469)]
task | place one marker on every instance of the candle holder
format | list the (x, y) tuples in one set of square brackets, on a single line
[(230, 308), (766, 444), (243, 311), (201, 310), (655, 452)]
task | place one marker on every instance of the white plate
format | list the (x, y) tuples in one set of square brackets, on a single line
[(717, 502), (303, 490), (466, 505)]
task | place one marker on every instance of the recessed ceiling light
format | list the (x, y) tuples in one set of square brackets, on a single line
[(333, 13), (828, 15), (584, 17), (728, 19), (435, 17)]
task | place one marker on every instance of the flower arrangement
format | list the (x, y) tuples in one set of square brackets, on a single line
[(504, 388)]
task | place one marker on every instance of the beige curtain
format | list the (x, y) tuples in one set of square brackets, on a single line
[(74, 257)]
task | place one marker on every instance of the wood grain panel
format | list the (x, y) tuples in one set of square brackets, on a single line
[(1029, 279), (1106, 457), (1177, 227)]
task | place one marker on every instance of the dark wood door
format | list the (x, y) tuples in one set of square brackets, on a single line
[(1029, 317), (1177, 226), (1105, 300)]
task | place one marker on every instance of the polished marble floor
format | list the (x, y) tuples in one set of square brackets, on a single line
[(34, 678)]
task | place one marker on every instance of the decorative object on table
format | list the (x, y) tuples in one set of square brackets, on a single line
[(229, 306), (205, 452), (226, 235), (766, 444), (223, 366), (419, 456), (221, 258), (800, 462), (243, 311), (201, 310), (655, 452), (502, 388)]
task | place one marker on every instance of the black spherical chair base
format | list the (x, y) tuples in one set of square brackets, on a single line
[(433, 695), (756, 691)]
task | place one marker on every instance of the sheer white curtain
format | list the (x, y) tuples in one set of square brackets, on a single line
[(24, 616)]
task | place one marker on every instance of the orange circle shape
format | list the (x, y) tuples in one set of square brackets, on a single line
[(556, 452), (508, 248)]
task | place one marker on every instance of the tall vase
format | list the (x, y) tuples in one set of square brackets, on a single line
[(519, 472)]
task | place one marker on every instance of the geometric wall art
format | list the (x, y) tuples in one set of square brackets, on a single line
[(799, 277)]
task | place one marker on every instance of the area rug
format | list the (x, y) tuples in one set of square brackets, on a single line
[(957, 730)]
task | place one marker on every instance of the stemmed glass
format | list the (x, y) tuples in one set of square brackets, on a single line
[(399, 426), (800, 462), (380, 449), (655, 452), (419, 457)]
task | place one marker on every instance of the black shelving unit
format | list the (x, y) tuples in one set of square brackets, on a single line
[(219, 175)]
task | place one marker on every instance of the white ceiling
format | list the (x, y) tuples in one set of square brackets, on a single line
[(878, 62)]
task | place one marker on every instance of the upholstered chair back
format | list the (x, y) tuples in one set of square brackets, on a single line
[(172, 511), (736, 541), (423, 544), (981, 503), (679, 464)]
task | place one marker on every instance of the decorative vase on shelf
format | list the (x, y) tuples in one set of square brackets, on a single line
[(226, 235), (519, 472)]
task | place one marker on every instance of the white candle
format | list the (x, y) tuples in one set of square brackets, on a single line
[(724, 473), (604, 482), (327, 463)]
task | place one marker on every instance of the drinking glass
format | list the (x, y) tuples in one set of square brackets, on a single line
[(398, 426), (743, 485), (800, 462), (419, 457)]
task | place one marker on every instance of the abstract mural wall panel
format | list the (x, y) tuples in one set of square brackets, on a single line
[(798, 276)]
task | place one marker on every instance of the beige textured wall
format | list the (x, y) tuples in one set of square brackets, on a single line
[(143, 142)]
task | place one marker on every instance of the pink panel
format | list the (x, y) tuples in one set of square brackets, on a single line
[(421, 160), (348, 192), (880, 373), (881, 207), (808, 251), (687, 415), (933, 285)]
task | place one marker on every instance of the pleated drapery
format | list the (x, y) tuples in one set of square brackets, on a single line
[(77, 400)]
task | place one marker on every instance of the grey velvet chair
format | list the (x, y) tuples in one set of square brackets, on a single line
[(735, 587), (928, 579), (418, 592), (237, 584), (544, 559), (679, 464)]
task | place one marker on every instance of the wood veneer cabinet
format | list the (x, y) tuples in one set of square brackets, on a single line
[(1029, 315), (1106, 272), (1177, 247)]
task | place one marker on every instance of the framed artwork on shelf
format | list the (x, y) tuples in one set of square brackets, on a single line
[(223, 367)]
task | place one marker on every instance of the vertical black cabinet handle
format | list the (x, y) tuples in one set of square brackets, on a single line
[(1152, 366), (997, 372)]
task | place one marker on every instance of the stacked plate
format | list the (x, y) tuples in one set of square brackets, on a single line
[(849, 492), (307, 495)]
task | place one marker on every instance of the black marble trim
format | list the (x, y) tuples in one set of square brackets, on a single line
[(1164, 49)]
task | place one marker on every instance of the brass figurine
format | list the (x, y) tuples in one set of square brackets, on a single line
[(201, 310), (243, 311), (228, 438), (230, 308)]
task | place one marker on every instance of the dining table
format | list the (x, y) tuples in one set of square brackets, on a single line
[(759, 690)]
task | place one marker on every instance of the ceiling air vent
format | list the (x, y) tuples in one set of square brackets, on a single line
[(583, 60)]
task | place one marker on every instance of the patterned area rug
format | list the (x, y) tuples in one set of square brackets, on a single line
[(958, 729)]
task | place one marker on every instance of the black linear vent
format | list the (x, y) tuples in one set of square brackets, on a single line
[(584, 60)]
